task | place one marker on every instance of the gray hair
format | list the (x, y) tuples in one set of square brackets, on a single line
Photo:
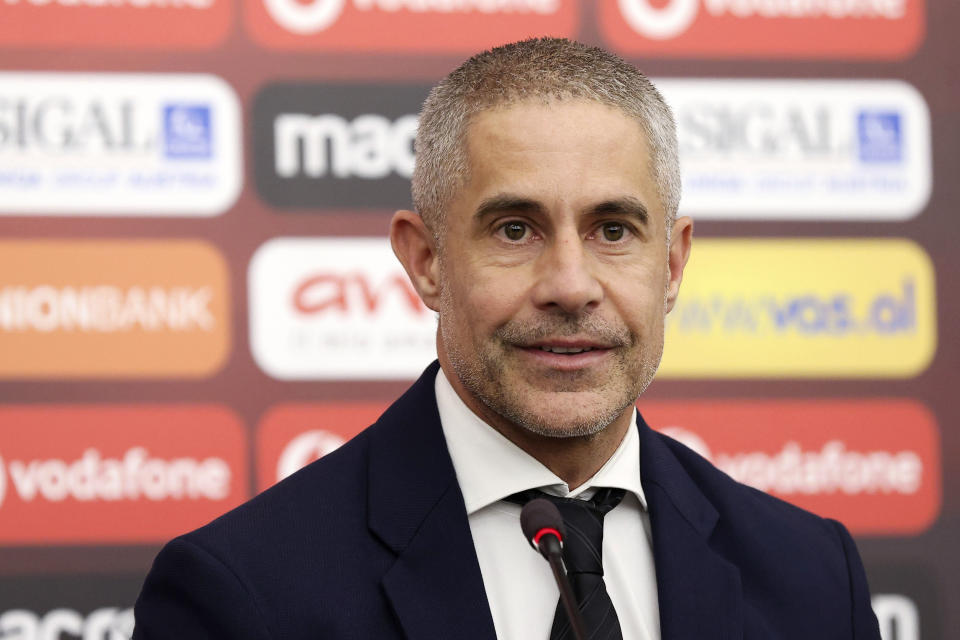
[(545, 69)]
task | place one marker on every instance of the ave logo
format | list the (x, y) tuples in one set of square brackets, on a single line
[(334, 309)]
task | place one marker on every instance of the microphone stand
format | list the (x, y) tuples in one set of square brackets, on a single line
[(551, 549)]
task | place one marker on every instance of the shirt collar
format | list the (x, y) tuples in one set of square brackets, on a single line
[(490, 467)]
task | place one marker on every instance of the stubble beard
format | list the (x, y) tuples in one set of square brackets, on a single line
[(487, 375)]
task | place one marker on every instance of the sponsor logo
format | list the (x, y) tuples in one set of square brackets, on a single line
[(127, 24), (906, 600), (320, 145), (779, 28), (855, 308), (117, 474), (336, 308), (874, 465), (89, 606), (802, 149), (405, 25), (291, 436), (118, 144), (96, 309), (108, 623)]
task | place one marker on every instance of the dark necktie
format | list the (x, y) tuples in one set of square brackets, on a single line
[(582, 556)]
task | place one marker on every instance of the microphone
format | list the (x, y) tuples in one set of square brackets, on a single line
[(542, 526)]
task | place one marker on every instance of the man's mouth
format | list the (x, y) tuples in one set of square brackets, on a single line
[(566, 349)]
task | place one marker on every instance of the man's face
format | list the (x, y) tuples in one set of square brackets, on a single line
[(554, 270)]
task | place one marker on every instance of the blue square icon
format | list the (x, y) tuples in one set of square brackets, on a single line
[(186, 131), (880, 136)]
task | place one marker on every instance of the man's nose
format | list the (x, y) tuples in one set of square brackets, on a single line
[(565, 277)]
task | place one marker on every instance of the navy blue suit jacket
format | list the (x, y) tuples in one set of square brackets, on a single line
[(372, 541)]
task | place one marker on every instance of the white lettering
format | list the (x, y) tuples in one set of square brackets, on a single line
[(898, 617), (94, 477), (105, 309), (108, 623), (835, 9), (368, 147)]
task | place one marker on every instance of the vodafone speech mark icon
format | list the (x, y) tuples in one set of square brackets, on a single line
[(765, 28), (291, 436), (872, 464), (80, 474), (112, 24), (405, 25), (335, 309), (112, 309)]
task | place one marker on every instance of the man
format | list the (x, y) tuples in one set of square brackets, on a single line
[(546, 238)]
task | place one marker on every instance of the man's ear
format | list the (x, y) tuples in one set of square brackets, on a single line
[(415, 247), (678, 253)]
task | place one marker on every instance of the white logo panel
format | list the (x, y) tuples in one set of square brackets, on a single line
[(801, 149), (118, 144), (336, 308)]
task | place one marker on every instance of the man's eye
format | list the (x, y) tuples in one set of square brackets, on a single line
[(613, 231), (514, 230)]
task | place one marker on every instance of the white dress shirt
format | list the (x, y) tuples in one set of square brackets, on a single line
[(519, 584)]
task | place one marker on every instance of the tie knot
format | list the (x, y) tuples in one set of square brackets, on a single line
[(583, 521)]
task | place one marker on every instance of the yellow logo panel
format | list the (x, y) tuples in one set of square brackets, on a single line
[(780, 308)]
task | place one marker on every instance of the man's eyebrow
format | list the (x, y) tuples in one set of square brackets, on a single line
[(506, 203), (626, 206)]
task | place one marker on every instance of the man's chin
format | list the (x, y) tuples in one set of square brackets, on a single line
[(562, 414)]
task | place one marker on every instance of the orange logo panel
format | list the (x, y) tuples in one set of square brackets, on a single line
[(117, 474), (291, 436), (872, 464), (111, 309), (130, 24)]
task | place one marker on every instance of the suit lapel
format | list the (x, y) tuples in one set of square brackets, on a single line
[(699, 592), (416, 509)]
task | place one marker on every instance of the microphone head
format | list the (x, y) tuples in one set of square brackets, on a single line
[(540, 514)]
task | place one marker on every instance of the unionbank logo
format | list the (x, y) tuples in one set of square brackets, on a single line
[(843, 308), (802, 149), (291, 436), (127, 24), (405, 25), (118, 144), (117, 474), (874, 465), (112, 309), (336, 308), (767, 28), (335, 145)]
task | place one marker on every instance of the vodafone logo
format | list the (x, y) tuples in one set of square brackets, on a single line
[(763, 28), (116, 474), (874, 465), (305, 17), (304, 449), (667, 21)]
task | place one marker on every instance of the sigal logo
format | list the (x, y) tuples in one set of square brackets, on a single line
[(323, 146), (336, 308), (872, 464), (118, 144), (127, 24), (96, 309), (802, 149), (405, 25), (803, 308), (117, 474), (291, 436), (788, 28)]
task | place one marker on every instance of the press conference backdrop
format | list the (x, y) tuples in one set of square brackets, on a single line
[(197, 296)]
